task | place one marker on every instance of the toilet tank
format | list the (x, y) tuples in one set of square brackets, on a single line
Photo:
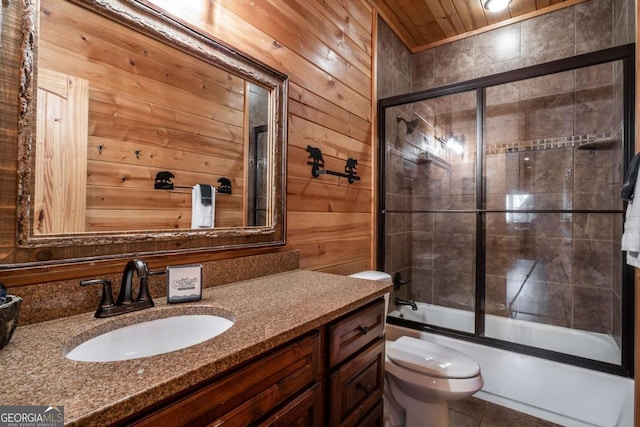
[(379, 276)]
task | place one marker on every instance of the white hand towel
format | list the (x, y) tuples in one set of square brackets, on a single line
[(202, 210), (631, 235)]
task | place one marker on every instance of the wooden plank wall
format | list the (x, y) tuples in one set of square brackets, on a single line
[(9, 84), (178, 114), (325, 47)]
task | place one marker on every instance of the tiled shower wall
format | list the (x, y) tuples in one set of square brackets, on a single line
[(580, 286), (586, 27), (394, 78), (556, 268)]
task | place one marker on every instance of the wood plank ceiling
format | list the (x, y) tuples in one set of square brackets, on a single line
[(422, 24)]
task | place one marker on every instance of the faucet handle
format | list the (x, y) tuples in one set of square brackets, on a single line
[(107, 295), (398, 281)]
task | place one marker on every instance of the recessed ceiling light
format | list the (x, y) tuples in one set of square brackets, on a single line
[(496, 5)]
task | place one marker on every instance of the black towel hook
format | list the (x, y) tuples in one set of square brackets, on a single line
[(317, 166)]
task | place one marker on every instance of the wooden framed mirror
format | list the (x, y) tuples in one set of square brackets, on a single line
[(116, 97)]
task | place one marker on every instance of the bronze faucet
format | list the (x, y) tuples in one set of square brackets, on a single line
[(125, 302), (125, 294), (400, 301)]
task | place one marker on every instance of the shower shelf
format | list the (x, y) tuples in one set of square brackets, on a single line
[(425, 157), (600, 144)]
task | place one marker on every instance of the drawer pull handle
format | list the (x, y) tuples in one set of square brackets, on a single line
[(363, 329), (366, 388)]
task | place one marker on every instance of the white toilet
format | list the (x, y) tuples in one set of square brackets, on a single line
[(422, 377)]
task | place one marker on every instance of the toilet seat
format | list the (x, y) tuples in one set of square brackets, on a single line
[(426, 385), (434, 360)]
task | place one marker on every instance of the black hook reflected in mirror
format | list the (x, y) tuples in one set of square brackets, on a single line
[(225, 185), (163, 182)]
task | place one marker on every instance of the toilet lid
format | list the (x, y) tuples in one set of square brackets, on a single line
[(431, 359)]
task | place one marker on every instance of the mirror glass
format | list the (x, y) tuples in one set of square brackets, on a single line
[(138, 127)]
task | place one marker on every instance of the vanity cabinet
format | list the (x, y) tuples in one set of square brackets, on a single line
[(356, 368), (243, 397), (331, 376)]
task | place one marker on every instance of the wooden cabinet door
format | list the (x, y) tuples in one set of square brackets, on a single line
[(374, 418), (357, 386), (307, 410)]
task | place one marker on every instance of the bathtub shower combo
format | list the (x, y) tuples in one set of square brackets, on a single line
[(592, 345), (500, 209)]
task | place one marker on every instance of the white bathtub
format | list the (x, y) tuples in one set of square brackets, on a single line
[(557, 392), (591, 345)]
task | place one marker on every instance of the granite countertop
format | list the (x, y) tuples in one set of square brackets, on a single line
[(268, 311)]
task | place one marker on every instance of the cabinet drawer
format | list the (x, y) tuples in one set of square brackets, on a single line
[(357, 386), (305, 411), (355, 331), (246, 395)]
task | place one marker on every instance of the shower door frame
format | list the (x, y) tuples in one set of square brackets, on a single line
[(626, 54)]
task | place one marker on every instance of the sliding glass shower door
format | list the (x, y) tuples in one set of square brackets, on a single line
[(431, 217), (500, 206), (553, 164)]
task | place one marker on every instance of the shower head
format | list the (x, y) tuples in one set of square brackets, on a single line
[(411, 125)]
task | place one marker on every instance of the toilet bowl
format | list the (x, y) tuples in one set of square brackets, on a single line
[(422, 377)]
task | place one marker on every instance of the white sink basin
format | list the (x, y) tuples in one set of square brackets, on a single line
[(150, 338)]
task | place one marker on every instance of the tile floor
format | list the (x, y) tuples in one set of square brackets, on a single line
[(474, 412)]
